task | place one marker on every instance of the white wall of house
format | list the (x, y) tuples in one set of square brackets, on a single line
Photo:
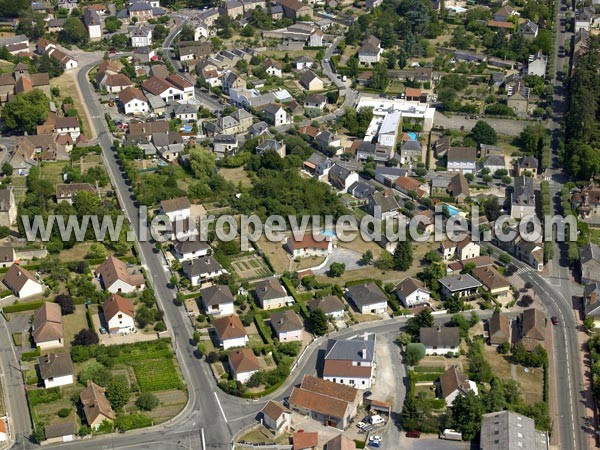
[(276, 302), (375, 308), (223, 309), (29, 289), (471, 250), (136, 107), (243, 377), (237, 342), (95, 32), (187, 256), (121, 324), (303, 252), (440, 350), (58, 381), (179, 214), (48, 345), (336, 314), (417, 297), (358, 383), (290, 336), (121, 286)]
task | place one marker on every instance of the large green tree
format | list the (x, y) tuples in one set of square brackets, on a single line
[(26, 111), (317, 322), (403, 255), (483, 133), (117, 392), (466, 415), (74, 31)]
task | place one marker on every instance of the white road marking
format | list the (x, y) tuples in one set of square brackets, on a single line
[(221, 408)]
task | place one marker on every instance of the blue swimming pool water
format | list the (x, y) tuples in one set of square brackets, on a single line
[(187, 128), (452, 210), (328, 233), (413, 136)]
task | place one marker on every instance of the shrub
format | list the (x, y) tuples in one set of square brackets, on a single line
[(64, 412), (147, 401), (133, 421)]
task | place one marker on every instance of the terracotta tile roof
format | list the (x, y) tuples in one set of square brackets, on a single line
[(229, 327), (498, 24), (179, 82), (328, 388), (340, 442), (451, 380), (407, 183), (533, 328), (305, 439), (116, 304), (66, 122), (412, 92), (345, 368), (175, 204), (313, 401), (16, 277), (71, 189), (156, 86), (274, 410), (95, 403), (243, 360), (490, 277), (410, 285), (114, 269), (307, 241), (498, 328)]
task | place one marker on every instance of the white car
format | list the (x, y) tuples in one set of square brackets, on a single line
[(362, 425), (375, 438), (377, 419)]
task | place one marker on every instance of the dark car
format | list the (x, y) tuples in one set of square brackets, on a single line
[(554, 320), (413, 434)]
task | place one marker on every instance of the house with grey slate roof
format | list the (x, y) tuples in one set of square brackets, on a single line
[(463, 285), (367, 298), (351, 361)]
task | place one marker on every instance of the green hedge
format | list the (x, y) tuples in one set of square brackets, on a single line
[(133, 421), (262, 330), (425, 377), (357, 282), (421, 369), (28, 356), (265, 392), (39, 396), (5, 293), (20, 307)]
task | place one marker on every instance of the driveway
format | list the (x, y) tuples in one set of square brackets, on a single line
[(342, 255), (431, 442), (385, 382)]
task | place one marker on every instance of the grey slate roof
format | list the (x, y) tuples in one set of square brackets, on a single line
[(387, 202), (440, 336), (59, 430), (330, 304), (216, 295), (524, 193), (190, 246), (366, 294), (270, 289), (286, 321), (457, 283), (507, 430), (360, 189), (54, 365), (351, 349), (200, 266)]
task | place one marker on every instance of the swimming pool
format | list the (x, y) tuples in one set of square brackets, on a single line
[(452, 210), (413, 136), (328, 233)]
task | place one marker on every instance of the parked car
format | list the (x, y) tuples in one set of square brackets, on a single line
[(375, 441), (413, 434), (362, 425), (377, 419)]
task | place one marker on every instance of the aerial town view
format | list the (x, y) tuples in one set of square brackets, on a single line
[(300, 224)]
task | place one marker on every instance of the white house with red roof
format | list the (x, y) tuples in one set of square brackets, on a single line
[(119, 314), (308, 245)]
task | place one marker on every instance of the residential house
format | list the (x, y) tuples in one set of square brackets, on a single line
[(69, 125), (351, 361), (368, 298), (441, 146), (305, 440), (176, 208), (225, 145), (54, 26), (342, 177), (270, 294), (458, 188), (259, 129), (186, 230), (119, 314), (383, 205), (328, 142), (530, 252), (499, 329), (8, 208), (537, 64), (518, 103), (591, 303), (505, 14), (583, 19), (92, 21), (134, 101), (361, 190), (412, 292), (22, 81), (273, 68), (7, 256), (115, 277), (527, 164), (231, 80), (189, 249), (141, 36), (522, 202), (387, 135), (493, 163), (182, 84), (464, 249), (47, 326), (163, 89), (218, 300), (331, 305), (318, 165), (186, 112), (453, 383), (311, 82), (271, 145), (329, 403), (410, 152), (60, 432), (308, 245), (370, 52), (589, 262), (440, 340), (140, 11), (533, 328), (202, 269), (493, 282), (56, 369), (275, 114), (144, 55), (529, 29), (315, 101), (231, 8), (303, 62), (411, 186), (462, 159), (287, 325), (316, 38), (67, 62), (508, 430), (276, 417), (96, 406), (461, 285), (67, 4), (230, 332), (22, 283), (294, 9), (243, 364)]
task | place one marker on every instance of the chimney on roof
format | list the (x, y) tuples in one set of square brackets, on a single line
[(363, 353)]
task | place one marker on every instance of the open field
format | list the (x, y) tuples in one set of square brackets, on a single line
[(236, 175), (280, 259), (73, 323), (52, 171), (75, 253), (250, 267)]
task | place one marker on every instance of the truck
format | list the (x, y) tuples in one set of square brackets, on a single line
[(451, 435)]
